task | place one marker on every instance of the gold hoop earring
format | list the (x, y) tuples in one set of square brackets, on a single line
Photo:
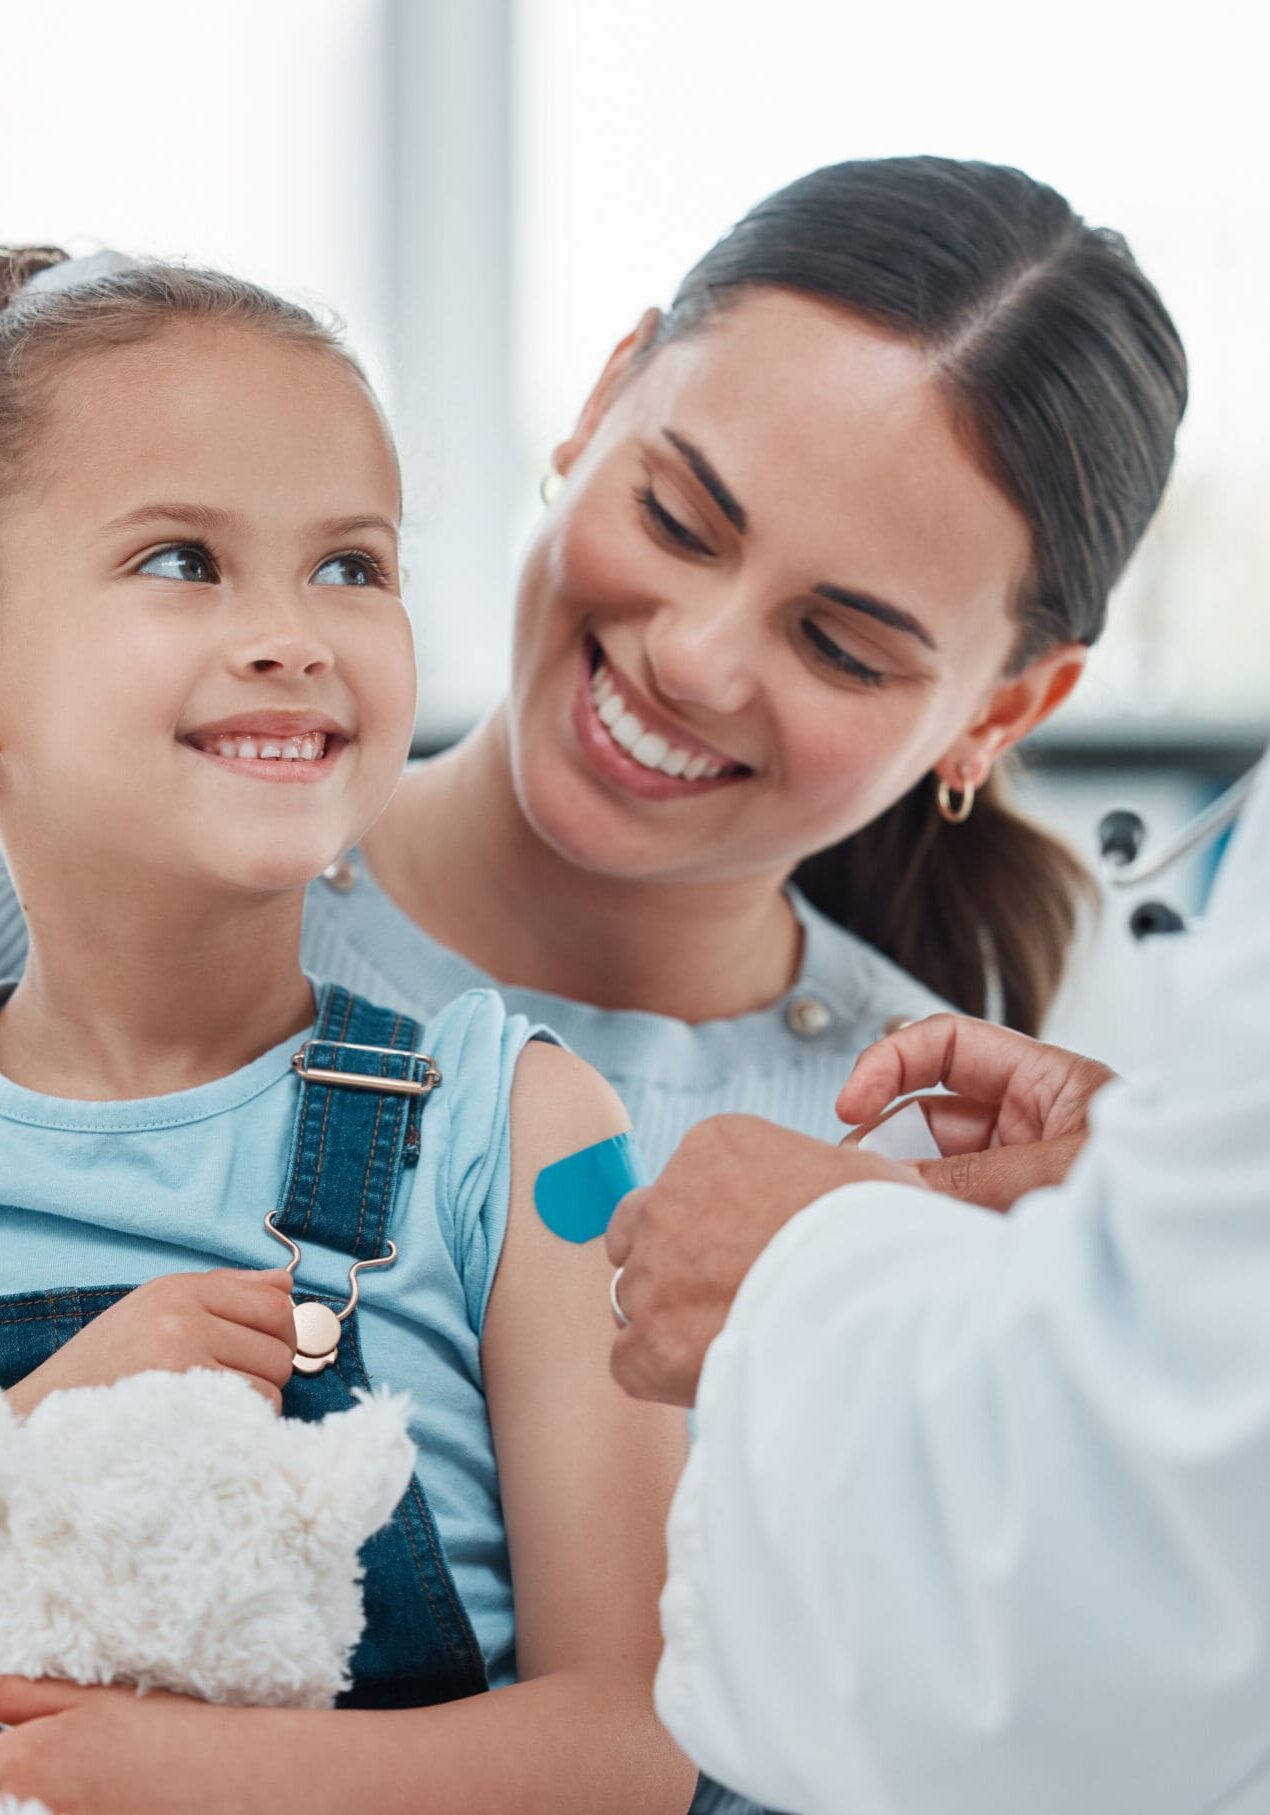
[(549, 485), (955, 815)]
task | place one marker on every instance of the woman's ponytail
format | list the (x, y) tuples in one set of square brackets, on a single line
[(982, 913)]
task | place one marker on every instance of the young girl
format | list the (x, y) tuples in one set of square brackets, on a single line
[(205, 697)]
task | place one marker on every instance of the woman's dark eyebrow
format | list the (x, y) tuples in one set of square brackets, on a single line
[(726, 500), (879, 610)]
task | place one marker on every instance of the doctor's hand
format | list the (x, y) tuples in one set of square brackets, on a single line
[(685, 1243), (1017, 1117)]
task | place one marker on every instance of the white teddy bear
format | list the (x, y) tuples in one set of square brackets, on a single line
[(172, 1532)]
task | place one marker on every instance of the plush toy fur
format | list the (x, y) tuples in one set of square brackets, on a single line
[(172, 1532)]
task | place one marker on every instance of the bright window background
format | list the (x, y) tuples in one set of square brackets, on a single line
[(491, 191)]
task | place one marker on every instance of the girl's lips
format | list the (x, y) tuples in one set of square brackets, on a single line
[(275, 769), (616, 766)]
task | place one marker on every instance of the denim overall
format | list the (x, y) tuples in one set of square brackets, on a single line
[(349, 1149)]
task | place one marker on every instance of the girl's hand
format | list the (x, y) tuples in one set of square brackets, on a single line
[(223, 1319), (113, 1752), (1017, 1117)]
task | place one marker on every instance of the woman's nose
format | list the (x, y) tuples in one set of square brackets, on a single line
[(282, 638), (704, 655)]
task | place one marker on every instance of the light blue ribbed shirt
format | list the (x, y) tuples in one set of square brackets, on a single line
[(786, 1062), (117, 1193)]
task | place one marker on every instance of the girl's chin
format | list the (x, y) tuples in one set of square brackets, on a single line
[(269, 871)]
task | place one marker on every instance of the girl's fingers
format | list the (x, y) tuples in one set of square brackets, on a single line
[(242, 1298), (972, 1058), (252, 1353), (22, 1700)]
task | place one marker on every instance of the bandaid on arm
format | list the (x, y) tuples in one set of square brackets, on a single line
[(576, 1196)]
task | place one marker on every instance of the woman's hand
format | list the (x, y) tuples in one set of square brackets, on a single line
[(1016, 1119), (114, 1752), (224, 1319)]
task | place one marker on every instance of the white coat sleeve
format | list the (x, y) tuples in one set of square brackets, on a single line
[(977, 1521)]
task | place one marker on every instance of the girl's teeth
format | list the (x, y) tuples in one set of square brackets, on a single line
[(648, 748), (252, 749)]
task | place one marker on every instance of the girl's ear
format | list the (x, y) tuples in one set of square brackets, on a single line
[(606, 387), (1011, 710)]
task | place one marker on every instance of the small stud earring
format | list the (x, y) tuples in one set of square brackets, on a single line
[(549, 486)]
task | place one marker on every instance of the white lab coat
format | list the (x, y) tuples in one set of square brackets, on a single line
[(977, 1521)]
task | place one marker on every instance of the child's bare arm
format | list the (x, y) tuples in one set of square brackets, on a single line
[(222, 1319)]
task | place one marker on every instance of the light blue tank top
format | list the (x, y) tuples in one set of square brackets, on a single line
[(786, 1062), (119, 1193)]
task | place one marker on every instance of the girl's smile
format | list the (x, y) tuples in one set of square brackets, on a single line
[(281, 746)]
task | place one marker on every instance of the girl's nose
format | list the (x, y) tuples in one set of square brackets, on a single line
[(703, 655), (282, 640)]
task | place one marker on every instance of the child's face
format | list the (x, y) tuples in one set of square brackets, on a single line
[(201, 571)]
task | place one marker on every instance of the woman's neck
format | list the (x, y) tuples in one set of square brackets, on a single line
[(456, 853), (129, 997)]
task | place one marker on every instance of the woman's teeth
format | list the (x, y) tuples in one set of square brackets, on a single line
[(648, 748), (309, 749)]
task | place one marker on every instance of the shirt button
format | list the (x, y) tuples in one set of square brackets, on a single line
[(341, 876), (895, 1024), (808, 1017)]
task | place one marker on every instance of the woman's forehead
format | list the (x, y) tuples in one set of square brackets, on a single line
[(835, 437)]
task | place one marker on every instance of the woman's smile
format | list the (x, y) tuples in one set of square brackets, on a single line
[(631, 743)]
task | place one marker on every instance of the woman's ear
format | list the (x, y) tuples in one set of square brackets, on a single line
[(606, 387), (1010, 711)]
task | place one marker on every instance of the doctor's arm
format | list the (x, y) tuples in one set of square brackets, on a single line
[(976, 1520)]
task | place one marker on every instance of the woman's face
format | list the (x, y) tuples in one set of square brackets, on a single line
[(206, 670), (774, 593)]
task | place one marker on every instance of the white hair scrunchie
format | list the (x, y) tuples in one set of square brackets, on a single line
[(70, 273)]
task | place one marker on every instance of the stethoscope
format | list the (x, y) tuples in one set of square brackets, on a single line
[(1120, 838)]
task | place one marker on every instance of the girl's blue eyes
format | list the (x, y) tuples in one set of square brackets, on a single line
[(355, 570), (187, 561), (180, 563)]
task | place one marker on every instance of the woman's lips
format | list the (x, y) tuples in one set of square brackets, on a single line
[(669, 766)]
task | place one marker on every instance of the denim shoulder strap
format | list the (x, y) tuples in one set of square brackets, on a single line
[(363, 1087)]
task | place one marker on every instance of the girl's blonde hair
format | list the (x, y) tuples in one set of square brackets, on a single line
[(41, 332)]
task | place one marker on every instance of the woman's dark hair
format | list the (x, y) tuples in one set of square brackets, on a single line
[(1067, 379)]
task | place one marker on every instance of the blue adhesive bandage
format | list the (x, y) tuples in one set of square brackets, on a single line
[(576, 1197)]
